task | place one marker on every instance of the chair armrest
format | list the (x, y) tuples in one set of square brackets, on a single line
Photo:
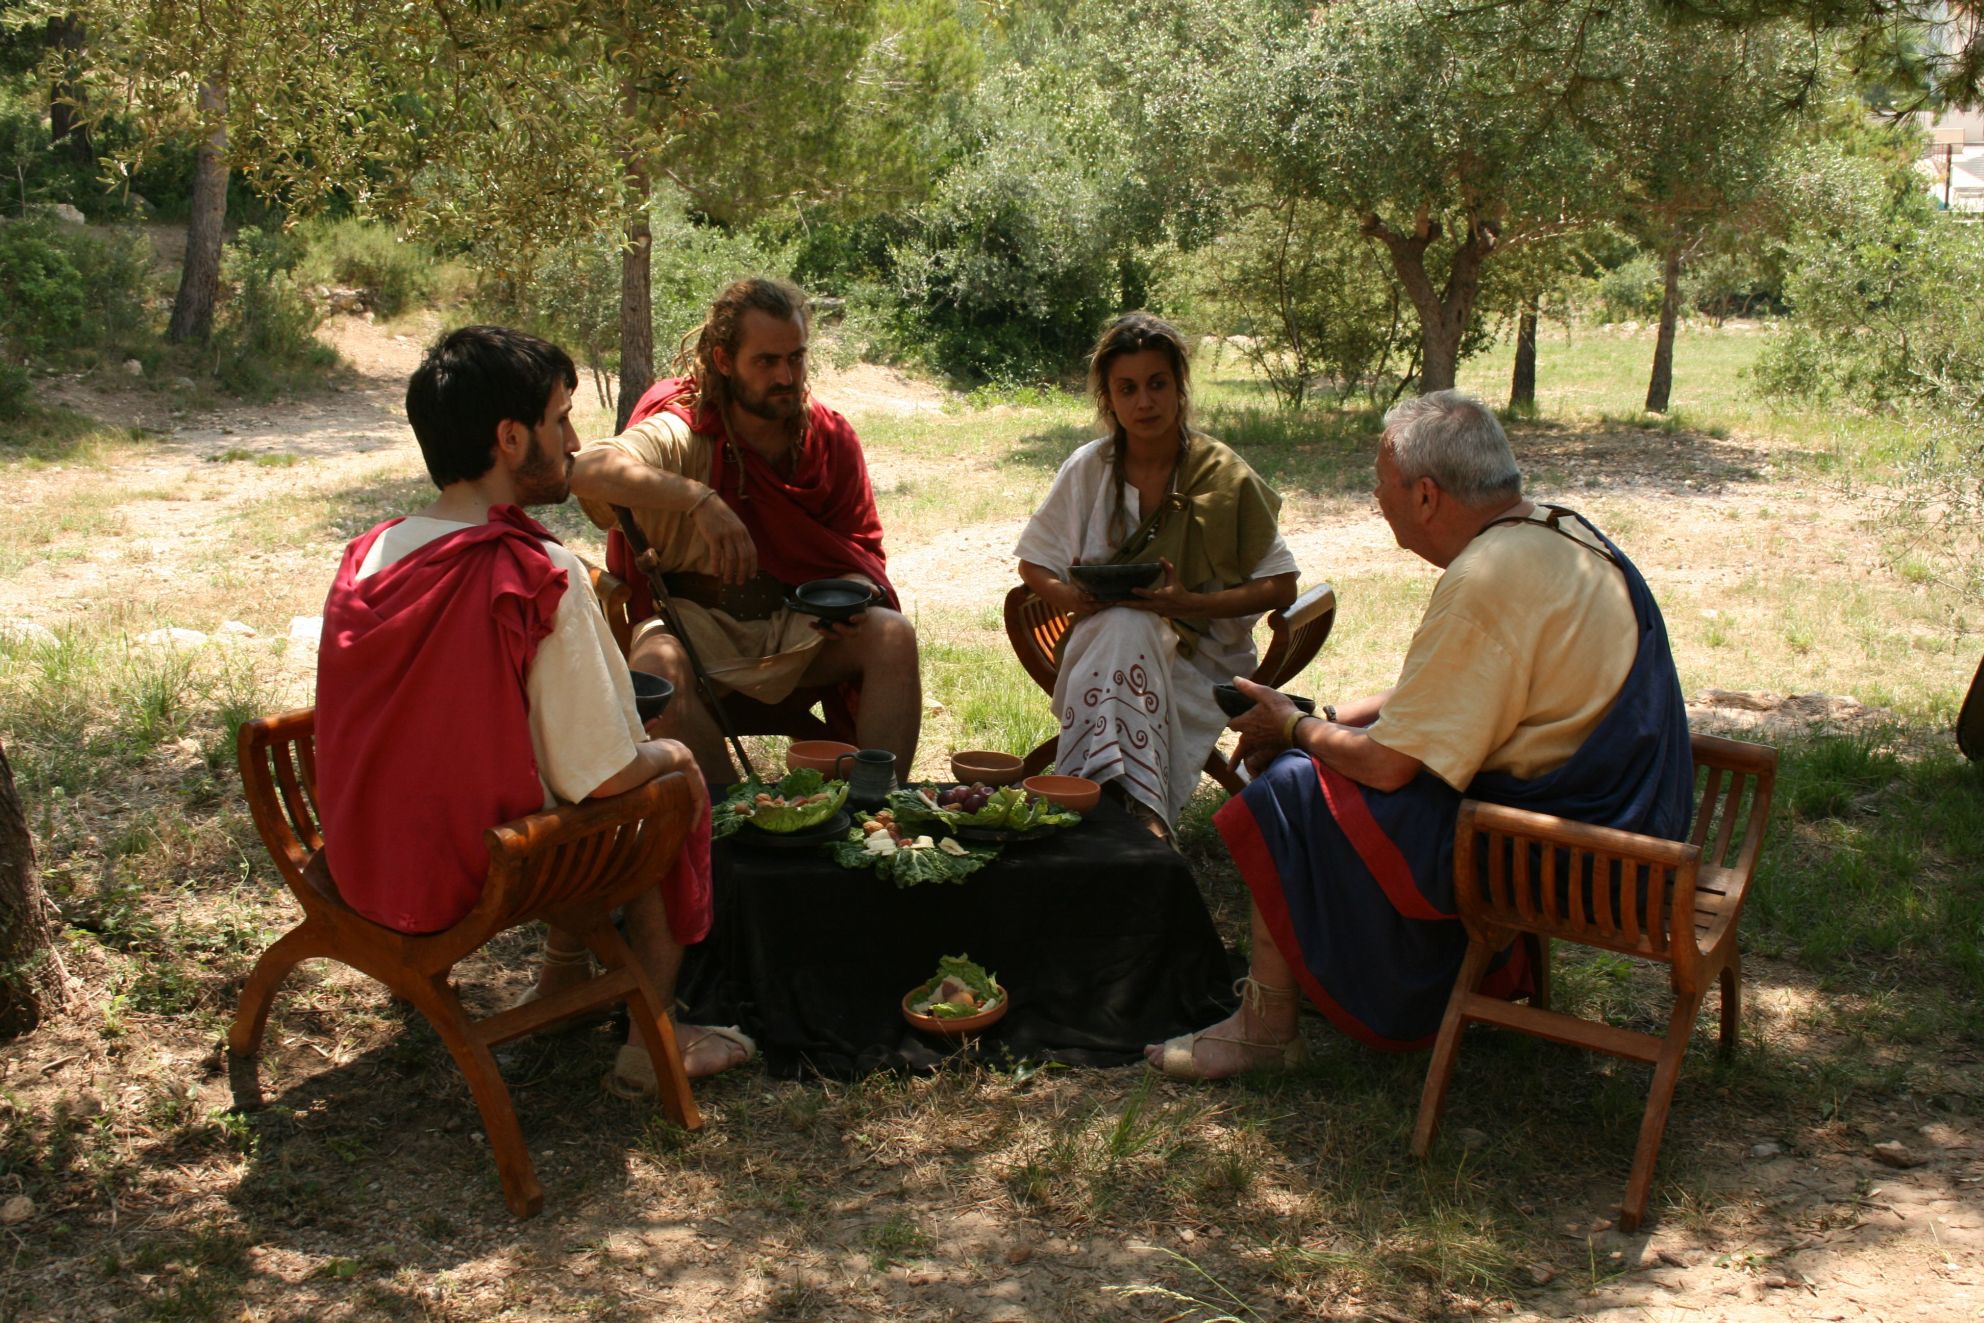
[(1548, 829), (615, 599), (1296, 633), (1309, 607), (578, 851)]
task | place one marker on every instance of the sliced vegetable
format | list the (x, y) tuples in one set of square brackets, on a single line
[(875, 842), (797, 801)]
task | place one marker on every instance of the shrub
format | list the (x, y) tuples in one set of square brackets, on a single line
[(397, 273), (266, 339), (1316, 302), (63, 287), (1629, 292)]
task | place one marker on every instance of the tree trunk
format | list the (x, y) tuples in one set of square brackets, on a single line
[(33, 984), (199, 279), (1661, 384), (1522, 383), (636, 280), (68, 130), (1443, 314)]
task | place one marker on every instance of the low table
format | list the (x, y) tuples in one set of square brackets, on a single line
[(1097, 932)]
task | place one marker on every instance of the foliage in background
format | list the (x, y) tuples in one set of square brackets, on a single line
[(397, 273), (1316, 307), (265, 338)]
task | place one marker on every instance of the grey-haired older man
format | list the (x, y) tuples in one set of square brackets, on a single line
[(1540, 676)]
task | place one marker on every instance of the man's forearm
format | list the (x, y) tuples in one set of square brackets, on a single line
[(1350, 751), (604, 474), (652, 758)]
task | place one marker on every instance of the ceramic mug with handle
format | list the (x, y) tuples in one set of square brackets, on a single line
[(872, 776)]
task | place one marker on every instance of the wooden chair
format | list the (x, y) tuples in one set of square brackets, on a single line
[(570, 866), (792, 715), (1295, 635), (1551, 878)]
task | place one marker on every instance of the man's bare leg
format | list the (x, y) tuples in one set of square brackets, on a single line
[(687, 718), (881, 657), (1268, 1019), (703, 1052)]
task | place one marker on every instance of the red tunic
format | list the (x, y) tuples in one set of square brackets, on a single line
[(818, 523), (423, 725)]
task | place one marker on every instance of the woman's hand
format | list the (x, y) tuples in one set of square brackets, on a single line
[(1168, 598), (1070, 599)]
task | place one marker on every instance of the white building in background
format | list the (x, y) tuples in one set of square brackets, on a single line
[(1954, 165)]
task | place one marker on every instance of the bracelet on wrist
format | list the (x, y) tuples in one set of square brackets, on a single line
[(1288, 726), (697, 504)]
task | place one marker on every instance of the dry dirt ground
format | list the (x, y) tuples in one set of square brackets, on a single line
[(1812, 1222)]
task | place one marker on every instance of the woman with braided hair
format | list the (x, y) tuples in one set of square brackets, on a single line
[(1134, 689)]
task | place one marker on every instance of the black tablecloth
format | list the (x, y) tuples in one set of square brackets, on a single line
[(1097, 933)]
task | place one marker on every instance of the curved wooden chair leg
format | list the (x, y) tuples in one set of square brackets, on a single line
[(437, 1001), (649, 1012), (1659, 1097), (1446, 1048), (1034, 763), (1731, 978), (251, 1016)]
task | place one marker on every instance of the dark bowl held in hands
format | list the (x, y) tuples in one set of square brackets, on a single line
[(1232, 702), (831, 599), (1115, 583), (651, 695)]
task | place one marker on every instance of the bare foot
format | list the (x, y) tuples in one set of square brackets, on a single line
[(712, 1049)]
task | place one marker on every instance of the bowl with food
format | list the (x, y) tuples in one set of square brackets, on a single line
[(1234, 703), (960, 999), (983, 767), (1115, 583)]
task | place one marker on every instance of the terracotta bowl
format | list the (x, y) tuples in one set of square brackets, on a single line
[(1077, 794), (816, 754), (960, 1027), (986, 768)]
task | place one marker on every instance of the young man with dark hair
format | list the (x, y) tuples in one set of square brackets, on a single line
[(746, 487), (466, 677)]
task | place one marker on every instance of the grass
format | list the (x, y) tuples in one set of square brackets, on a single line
[(1865, 938)]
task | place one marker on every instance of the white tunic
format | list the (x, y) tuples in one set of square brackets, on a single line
[(1131, 706)]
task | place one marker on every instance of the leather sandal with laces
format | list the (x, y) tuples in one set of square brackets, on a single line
[(633, 1077), (1179, 1058)]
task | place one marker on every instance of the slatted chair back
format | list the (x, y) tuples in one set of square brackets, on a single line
[(1295, 635), (571, 866)]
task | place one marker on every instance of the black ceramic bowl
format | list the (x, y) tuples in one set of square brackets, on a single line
[(1114, 583), (1232, 702), (651, 694), (831, 599)]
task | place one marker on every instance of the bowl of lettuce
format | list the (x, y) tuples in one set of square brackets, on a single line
[(796, 802), (1009, 809), (959, 999)]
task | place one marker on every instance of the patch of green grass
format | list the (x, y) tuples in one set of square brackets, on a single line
[(1869, 873), (41, 436), (898, 1240)]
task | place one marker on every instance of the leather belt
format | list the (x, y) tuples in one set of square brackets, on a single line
[(754, 599)]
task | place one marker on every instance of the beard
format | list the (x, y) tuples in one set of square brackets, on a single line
[(774, 404), (541, 479)]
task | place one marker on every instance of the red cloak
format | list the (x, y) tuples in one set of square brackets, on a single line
[(423, 724)]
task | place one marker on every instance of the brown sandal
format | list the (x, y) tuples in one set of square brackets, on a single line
[(1179, 1060)]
